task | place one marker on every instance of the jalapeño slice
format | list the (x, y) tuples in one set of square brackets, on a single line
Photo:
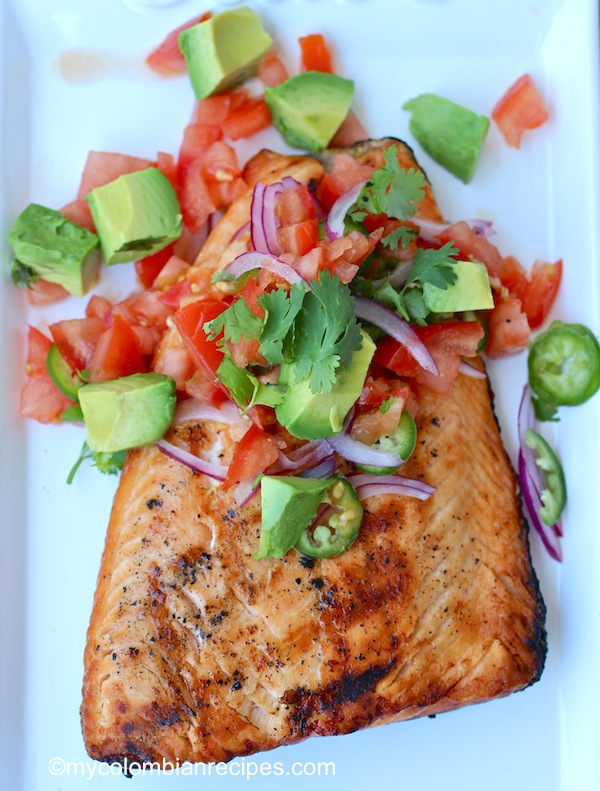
[(337, 523), (403, 443), (564, 364), (554, 493)]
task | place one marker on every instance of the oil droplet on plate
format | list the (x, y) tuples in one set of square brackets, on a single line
[(84, 66)]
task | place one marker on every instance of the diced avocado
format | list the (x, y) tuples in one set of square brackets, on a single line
[(50, 247), (451, 134), (135, 215), (470, 291), (307, 415), (224, 50), (128, 412), (309, 108), (289, 505)]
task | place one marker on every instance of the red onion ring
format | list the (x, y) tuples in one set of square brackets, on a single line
[(324, 469), (192, 409), (306, 455), (353, 450), (246, 262), (216, 471), (367, 485), (533, 503), (470, 370), (429, 230), (334, 224), (397, 328), (263, 219)]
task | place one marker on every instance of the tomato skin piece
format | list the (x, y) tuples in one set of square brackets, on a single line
[(194, 197), (117, 353), (508, 329), (251, 117), (190, 321), (520, 109), (294, 205), (41, 400), (351, 131), (212, 110), (101, 167), (38, 346), (254, 453), (78, 211), (167, 59), (315, 53), (469, 243), (541, 291), (42, 292), (271, 69), (167, 166), (299, 238), (148, 269), (77, 339), (172, 296)]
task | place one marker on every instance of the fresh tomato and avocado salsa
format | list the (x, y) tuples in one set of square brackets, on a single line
[(339, 305)]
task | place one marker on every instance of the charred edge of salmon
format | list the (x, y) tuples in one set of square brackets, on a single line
[(539, 643), (358, 149)]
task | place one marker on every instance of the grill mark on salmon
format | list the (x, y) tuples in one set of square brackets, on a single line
[(198, 652)]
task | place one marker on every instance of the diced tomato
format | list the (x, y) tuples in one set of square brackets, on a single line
[(220, 162), (224, 193), (246, 120), (77, 339), (41, 400), (469, 243), (79, 212), (171, 273), (42, 292), (202, 386), (38, 346), (315, 53), (117, 353), (167, 166), (148, 338), (167, 59), (148, 269), (447, 342), (212, 110), (508, 328), (351, 131), (174, 360), (378, 389), (147, 308), (251, 293), (197, 138), (256, 451), (100, 308), (102, 167), (190, 321), (521, 108), (333, 185), (537, 292), (344, 254), (294, 205), (271, 70), (172, 296), (194, 197), (299, 238)]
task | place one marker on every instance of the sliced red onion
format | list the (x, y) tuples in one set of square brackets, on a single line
[(322, 470), (192, 409), (253, 260), (396, 328), (368, 485), (310, 454), (353, 450), (533, 504), (216, 471), (429, 230), (240, 232), (244, 492), (467, 369), (334, 224), (263, 220)]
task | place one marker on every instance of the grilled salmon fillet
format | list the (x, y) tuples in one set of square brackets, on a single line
[(198, 652)]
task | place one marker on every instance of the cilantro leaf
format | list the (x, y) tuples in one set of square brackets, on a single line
[(400, 237), (234, 322), (433, 266), (244, 387), (281, 310), (392, 190), (326, 333), (107, 463)]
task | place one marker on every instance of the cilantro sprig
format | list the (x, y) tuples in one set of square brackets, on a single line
[(392, 190), (428, 266)]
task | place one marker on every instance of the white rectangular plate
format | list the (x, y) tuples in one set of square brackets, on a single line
[(73, 80)]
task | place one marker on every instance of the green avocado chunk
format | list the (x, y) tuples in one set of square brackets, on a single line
[(309, 108), (289, 504), (449, 133), (50, 247), (224, 50), (136, 215), (307, 415), (127, 412), (470, 291)]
